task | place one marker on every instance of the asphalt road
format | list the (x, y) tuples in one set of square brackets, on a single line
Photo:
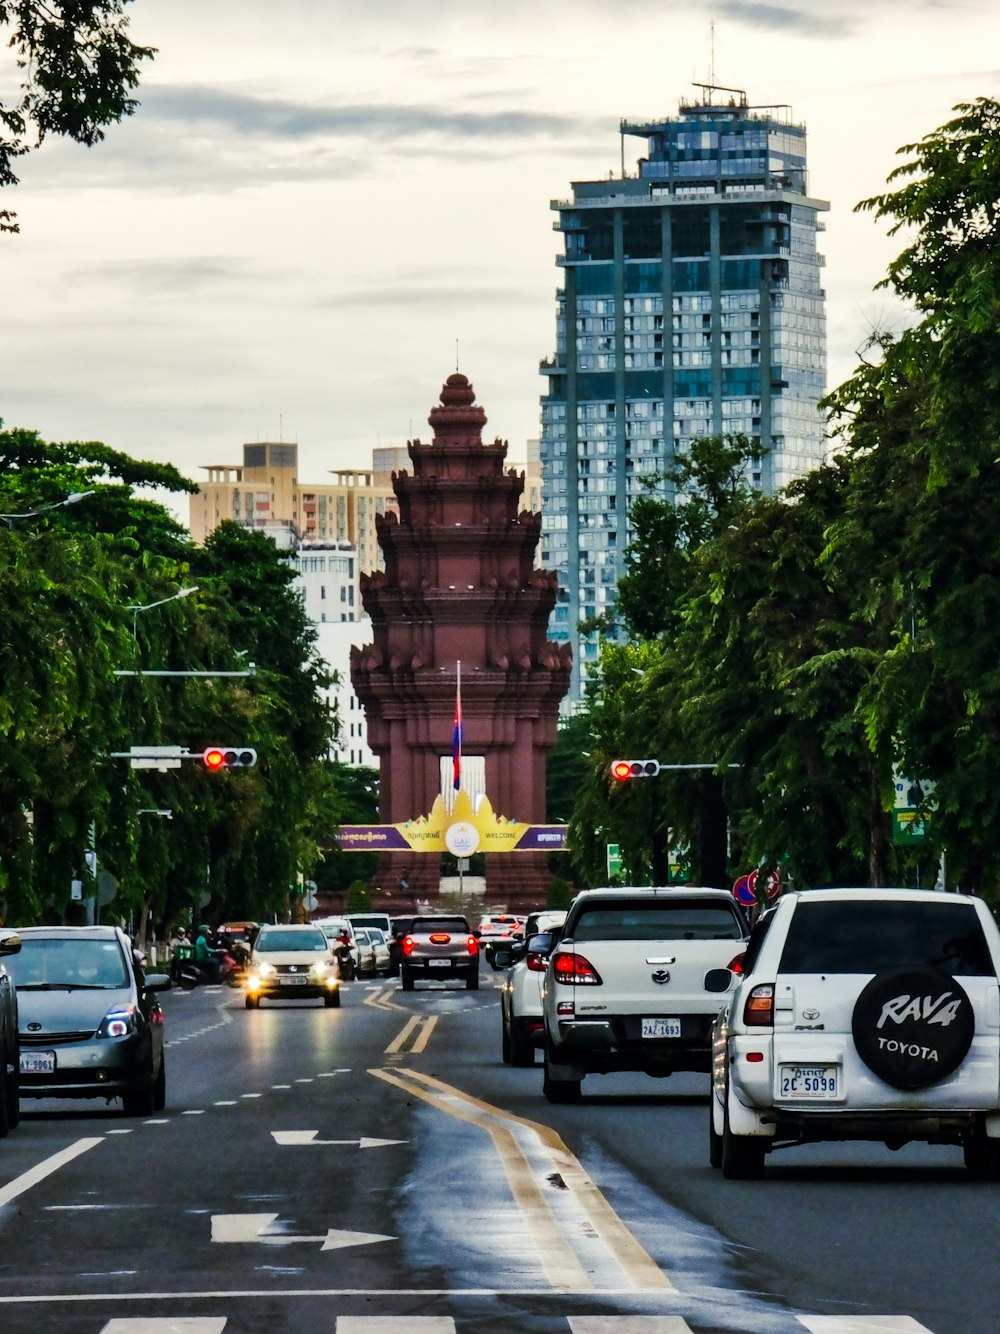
[(376, 1170)]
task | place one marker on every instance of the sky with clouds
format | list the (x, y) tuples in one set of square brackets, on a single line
[(319, 201)]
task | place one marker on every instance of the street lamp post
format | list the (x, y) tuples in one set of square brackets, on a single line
[(71, 499), (136, 608)]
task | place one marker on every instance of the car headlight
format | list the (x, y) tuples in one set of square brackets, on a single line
[(119, 1022), (264, 969), (319, 968)]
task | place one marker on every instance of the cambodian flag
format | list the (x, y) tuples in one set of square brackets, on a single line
[(456, 744)]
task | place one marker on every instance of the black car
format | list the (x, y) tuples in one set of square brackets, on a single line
[(91, 1025), (10, 1107)]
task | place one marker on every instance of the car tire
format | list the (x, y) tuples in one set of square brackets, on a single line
[(522, 1049), (160, 1087), (332, 1000), (559, 1090), (252, 1002), (472, 980), (406, 979), (742, 1156), (12, 1091), (141, 1102), (714, 1138)]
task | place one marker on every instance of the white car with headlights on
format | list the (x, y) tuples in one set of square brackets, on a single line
[(635, 983), (861, 1014), (292, 962)]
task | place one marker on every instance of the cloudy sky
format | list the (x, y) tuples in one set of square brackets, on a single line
[(319, 199)]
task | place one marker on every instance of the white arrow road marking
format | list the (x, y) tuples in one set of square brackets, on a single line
[(286, 1137), (253, 1227)]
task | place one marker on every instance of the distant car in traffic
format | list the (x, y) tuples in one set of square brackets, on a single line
[(340, 933), (861, 1014), (440, 946), (292, 962), (635, 983), (10, 1045), (90, 1020), (524, 964)]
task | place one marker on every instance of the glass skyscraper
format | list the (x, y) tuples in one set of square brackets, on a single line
[(691, 306)]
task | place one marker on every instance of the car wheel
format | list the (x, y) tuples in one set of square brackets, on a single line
[(406, 978), (12, 1091), (252, 1002), (472, 980), (140, 1103), (522, 1051), (982, 1156), (332, 1000), (714, 1138), (160, 1087), (557, 1089), (742, 1156)]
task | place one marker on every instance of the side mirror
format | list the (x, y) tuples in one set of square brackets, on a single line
[(10, 944), (158, 982), (718, 979), (501, 958)]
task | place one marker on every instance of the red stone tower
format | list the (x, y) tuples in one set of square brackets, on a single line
[(459, 586)]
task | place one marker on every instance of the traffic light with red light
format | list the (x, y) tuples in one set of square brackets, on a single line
[(626, 769), (229, 757)]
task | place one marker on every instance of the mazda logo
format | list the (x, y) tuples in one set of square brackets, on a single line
[(661, 976)]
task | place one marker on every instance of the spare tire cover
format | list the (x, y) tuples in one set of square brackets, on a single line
[(913, 1026)]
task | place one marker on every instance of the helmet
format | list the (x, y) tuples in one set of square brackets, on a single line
[(204, 930)]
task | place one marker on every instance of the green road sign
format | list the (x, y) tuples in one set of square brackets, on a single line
[(615, 864)]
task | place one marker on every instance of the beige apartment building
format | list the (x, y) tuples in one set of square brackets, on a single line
[(267, 493)]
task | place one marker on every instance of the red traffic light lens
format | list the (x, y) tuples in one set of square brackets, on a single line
[(622, 769), (214, 759)]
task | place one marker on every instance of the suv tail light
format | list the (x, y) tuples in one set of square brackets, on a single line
[(735, 965), (575, 970), (758, 1012), (537, 963), (473, 944), (407, 945)]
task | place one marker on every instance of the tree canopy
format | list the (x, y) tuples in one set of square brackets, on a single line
[(77, 68)]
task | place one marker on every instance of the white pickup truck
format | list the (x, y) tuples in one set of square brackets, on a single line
[(635, 983)]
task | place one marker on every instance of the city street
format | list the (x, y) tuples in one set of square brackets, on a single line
[(375, 1168)]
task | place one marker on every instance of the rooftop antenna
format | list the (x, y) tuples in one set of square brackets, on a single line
[(711, 53), (456, 354)]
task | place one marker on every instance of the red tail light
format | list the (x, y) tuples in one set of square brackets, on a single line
[(736, 965), (536, 962), (575, 970), (758, 1012), (473, 944), (407, 945), (439, 937)]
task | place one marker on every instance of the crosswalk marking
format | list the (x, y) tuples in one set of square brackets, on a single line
[(376, 1324), (168, 1325), (861, 1324), (628, 1324)]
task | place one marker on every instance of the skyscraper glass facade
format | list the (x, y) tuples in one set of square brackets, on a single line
[(691, 305)]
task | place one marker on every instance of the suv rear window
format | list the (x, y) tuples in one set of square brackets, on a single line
[(870, 936), (424, 924), (678, 920)]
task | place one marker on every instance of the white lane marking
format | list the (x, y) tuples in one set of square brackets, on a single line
[(38, 1173), (158, 1121), (251, 1095), (380, 1324), (193, 1111), (628, 1324), (226, 1102), (240, 1228), (209, 1324), (292, 1137), (861, 1324), (281, 1086), (123, 1131), (306, 1080)]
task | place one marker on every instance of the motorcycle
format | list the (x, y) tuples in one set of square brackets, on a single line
[(190, 972)]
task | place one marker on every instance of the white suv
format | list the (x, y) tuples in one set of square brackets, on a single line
[(868, 1014), (635, 983), (524, 968)]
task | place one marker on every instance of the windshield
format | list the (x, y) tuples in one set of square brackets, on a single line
[(278, 941), (679, 920), (64, 963), (871, 935)]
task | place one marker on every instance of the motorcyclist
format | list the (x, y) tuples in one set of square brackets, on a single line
[(206, 956)]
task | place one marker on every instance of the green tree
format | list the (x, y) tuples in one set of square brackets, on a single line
[(77, 67)]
